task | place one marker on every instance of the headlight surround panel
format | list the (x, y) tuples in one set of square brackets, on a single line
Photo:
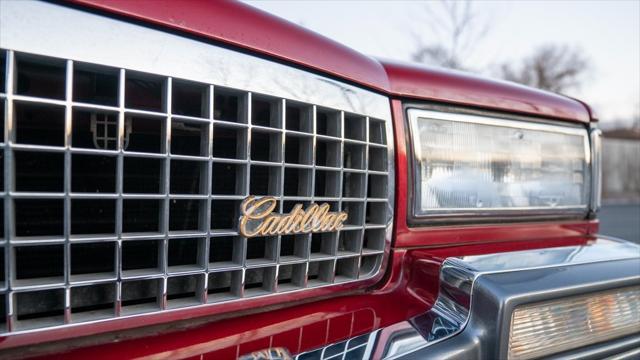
[(485, 168)]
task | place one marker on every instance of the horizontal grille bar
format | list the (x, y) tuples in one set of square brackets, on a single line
[(122, 189)]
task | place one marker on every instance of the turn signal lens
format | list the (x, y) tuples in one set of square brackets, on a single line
[(559, 325)]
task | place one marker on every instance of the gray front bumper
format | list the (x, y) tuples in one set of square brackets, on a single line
[(471, 318)]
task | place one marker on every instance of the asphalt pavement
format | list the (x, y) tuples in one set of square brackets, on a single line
[(621, 221)]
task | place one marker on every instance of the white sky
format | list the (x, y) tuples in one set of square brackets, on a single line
[(607, 31)]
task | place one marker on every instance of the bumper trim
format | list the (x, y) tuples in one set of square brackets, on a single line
[(478, 294)]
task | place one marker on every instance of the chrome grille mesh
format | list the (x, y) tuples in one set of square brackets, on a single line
[(357, 348), (121, 192)]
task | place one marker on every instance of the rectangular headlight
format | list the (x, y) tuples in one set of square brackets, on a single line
[(470, 165), (559, 325)]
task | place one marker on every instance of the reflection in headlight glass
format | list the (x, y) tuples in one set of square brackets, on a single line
[(498, 165)]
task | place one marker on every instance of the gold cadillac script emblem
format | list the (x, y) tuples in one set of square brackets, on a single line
[(258, 218)]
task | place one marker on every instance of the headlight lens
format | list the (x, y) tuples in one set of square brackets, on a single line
[(478, 166)]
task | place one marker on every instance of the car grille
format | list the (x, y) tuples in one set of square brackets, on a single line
[(122, 190)]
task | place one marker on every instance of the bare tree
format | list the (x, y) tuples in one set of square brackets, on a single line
[(552, 67), (457, 29)]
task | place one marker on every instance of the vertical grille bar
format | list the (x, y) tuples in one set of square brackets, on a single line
[(283, 121), (249, 116), (366, 180), (119, 186), (167, 189), (9, 137), (67, 189), (340, 203), (209, 153)]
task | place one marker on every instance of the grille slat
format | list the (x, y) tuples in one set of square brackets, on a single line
[(133, 194)]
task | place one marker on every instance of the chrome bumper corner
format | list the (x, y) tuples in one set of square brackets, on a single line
[(478, 294)]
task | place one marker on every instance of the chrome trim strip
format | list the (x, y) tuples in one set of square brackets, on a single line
[(564, 128), (451, 215), (603, 249), (596, 170), (53, 30), (630, 354), (9, 136)]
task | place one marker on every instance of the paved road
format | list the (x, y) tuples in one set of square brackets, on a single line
[(622, 221)]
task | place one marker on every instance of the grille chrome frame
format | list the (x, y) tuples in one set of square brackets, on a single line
[(337, 268)]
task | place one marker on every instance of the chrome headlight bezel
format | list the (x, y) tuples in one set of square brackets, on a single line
[(443, 216), (596, 169)]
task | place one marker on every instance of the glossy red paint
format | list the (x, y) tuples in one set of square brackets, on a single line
[(593, 115), (240, 25), (422, 83)]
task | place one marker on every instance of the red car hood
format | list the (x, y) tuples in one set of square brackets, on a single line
[(243, 26)]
